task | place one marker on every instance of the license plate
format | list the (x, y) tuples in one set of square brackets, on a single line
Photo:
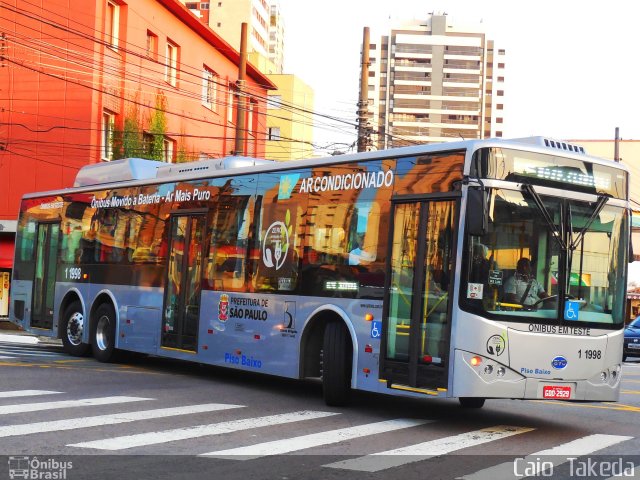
[(556, 392), (634, 345)]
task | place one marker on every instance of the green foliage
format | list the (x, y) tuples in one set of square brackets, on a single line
[(128, 141), (158, 128)]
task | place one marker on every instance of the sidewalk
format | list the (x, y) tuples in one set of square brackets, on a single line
[(10, 333)]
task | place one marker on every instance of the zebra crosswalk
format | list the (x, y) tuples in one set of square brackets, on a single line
[(13, 351), (239, 433)]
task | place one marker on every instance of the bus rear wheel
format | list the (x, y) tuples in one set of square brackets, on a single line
[(471, 402), (103, 340), (337, 358), (72, 329)]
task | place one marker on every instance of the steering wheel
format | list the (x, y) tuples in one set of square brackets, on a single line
[(550, 297)]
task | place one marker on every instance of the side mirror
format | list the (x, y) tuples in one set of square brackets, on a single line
[(477, 211)]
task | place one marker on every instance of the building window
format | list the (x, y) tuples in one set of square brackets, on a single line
[(192, 5), (500, 93), (152, 45), (251, 129), (499, 106), (274, 101), (209, 88), (112, 25), (204, 6), (151, 148), (274, 133), (168, 150), (108, 125), (230, 101), (498, 120), (171, 65)]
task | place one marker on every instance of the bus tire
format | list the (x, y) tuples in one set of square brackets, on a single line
[(72, 328), (103, 338), (337, 358), (471, 402)]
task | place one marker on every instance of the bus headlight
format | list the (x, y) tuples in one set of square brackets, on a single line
[(603, 376), (501, 371), (488, 370)]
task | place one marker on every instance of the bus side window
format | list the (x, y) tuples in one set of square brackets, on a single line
[(229, 247)]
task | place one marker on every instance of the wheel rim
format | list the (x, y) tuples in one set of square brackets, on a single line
[(75, 329), (102, 333)]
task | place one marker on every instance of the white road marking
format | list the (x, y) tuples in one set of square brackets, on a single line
[(279, 447), (22, 339), (422, 451), (111, 419), (154, 438), (84, 402), (556, 456), (25, 393), (15, 355)]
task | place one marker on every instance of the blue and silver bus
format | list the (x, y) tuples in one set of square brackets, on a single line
[(475, 269)]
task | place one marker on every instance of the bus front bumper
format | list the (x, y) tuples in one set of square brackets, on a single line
[(490, 379)]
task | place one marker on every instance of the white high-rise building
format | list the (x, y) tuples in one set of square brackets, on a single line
[(265, 25), (434, 80), (276, 37)]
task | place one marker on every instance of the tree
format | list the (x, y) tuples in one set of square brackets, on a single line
[(158, 128)]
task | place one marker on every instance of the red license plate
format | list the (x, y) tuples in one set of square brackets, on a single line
[(556, 392)]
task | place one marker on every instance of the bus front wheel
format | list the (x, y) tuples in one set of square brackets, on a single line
[(72, 329), (337, 358), (471, 402), (103, 340)]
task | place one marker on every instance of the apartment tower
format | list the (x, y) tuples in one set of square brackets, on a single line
[(266, 29), (433, 80)]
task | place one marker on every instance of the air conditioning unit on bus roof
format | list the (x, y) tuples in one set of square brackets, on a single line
[(207, 166), (551, 143), (117, 171), (129, 169)]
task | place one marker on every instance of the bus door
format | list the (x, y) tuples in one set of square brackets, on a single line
[(417, 311), (44, 279), (181, 310)]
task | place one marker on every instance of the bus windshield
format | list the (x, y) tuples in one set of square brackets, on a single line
[(549, 260)]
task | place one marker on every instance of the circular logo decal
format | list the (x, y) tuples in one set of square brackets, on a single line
[(559, 362), (496, 345), (275, 246)]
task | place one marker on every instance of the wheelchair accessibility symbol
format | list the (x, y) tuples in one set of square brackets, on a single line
[(571, 310), (376, 329)]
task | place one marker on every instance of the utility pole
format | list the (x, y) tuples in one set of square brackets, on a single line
[(616, 146), (241, 130), (363, 123)]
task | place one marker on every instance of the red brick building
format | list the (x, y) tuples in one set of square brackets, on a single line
[(84, 81)]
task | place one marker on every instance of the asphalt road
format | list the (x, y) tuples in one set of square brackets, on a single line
[(154, 418)]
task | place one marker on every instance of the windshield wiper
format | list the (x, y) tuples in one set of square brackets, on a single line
[(564, 235), (602, 201), (546, 215)]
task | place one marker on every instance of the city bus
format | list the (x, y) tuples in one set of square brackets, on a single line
[(474, 269)]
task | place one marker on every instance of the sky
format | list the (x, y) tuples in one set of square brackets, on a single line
[(572, 67)]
